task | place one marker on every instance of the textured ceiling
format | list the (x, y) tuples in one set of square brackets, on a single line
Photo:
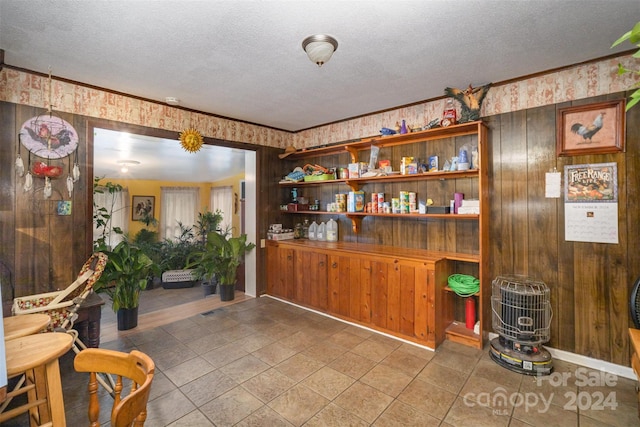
[(243, 59)]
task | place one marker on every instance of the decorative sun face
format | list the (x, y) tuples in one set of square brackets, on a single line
[(191, 140)]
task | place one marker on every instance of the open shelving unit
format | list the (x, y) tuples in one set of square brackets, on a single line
[(448, 300)]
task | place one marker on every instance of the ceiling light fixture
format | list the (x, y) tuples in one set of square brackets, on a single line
[(126, 163), (319, 48), (172, 100)]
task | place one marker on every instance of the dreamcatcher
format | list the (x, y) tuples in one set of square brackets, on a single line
[(49, 137)]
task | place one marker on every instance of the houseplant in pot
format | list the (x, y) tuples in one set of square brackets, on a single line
[(124, 276), (223, 254)]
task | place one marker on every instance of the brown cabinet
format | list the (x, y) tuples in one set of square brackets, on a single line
[(397, 294), (377, 285)]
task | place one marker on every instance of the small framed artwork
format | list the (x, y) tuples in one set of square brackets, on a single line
[(591, 129), (142, 207), (64, 207)]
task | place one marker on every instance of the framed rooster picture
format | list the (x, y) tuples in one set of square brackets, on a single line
[(591, 129)]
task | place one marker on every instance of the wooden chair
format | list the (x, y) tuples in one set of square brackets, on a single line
[(136, 367)]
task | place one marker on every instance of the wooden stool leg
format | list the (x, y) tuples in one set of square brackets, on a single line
[(54, 386), (40, 414)]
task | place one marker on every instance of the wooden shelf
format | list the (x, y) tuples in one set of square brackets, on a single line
[(448, 289), (356, 182), (459, 333), (354, 146), (402, 216)]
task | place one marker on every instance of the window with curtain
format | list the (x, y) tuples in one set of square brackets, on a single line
[(117, 206), (222, 199), (178, 205)]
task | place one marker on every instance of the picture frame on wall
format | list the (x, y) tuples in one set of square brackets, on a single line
[(591, 129), (142, 207)]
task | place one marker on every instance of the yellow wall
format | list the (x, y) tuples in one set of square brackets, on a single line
[(152, 188)]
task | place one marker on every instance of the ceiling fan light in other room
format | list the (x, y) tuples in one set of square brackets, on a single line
[(124, 164), (319, 48)]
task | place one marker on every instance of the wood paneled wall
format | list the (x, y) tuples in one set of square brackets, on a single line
[(590, 282), (44, 251)]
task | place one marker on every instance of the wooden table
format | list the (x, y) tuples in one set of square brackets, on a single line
[(23, 325), (26, 355)]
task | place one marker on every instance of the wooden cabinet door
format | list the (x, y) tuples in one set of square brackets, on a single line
[(311, 279), (338, 284), (280, 263)]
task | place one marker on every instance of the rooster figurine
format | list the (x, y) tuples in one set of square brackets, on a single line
[(470, 101), (587, 132)]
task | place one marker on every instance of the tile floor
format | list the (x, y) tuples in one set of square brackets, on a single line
[(262, 362)]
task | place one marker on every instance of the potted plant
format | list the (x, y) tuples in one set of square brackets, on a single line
[(124, 276), (221, 257)]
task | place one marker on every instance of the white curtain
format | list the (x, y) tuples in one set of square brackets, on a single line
[(222, 199), (117, 205), (178, 204)]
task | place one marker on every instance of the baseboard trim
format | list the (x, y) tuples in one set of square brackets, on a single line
[(589, 362)]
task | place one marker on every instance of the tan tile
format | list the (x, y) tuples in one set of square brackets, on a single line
[(608, 411), (173, 356), (324, 352), (328, 382), (373, 350), (195, 418), (345, 339), (449, 379), (551, 387), (274, 353), (386, 379), (254, 342), (299, 340), (235, 333), (404, 361), (166, 409), (188, 371), (401, 414), (231, 407), (490, 393), (454, 360), (264, 416), (352, 364), (490, 370), (207, 387), (466, 413), (224, 355), (299, 366), (298, 404), (334, 416), (417, 351), (279, 331), (464, 350), (584, 421), (206, 343), (244, 368), (549, 416), (268, 385), (363, 401), (359, 331), (428, 398)]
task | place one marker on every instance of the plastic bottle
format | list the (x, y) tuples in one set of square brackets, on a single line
[(305, 229), (322, 232), (332, 231), (313, 231)]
